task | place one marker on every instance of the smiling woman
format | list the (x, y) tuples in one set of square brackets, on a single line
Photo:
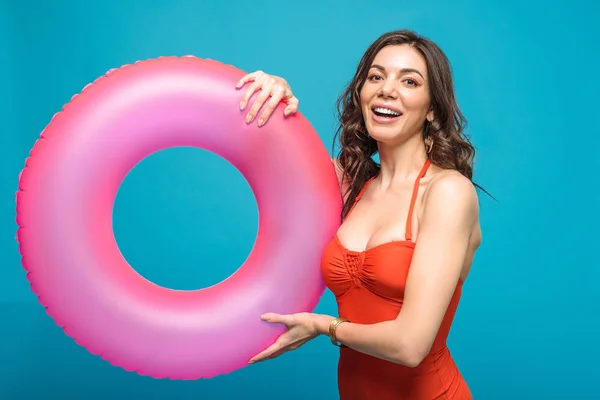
[(410, 226)]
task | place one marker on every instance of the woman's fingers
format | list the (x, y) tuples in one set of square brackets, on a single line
[(247, 78), (277, 95), (254, 86), (275, 318), (269, 352), (260, 100), (272, 90), (275, 354), (292, 106), (264, 354)]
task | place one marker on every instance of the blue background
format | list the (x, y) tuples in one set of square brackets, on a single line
[(526, 77)]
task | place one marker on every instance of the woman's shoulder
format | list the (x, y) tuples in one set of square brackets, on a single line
[(449, 191), (449, 182), (451, 198)]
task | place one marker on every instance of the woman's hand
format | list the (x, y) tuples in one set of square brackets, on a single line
[(301, 328), (270, 86)]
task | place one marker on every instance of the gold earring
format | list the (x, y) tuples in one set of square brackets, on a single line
[(428, 144)]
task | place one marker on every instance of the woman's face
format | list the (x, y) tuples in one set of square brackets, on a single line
[(395, 96)]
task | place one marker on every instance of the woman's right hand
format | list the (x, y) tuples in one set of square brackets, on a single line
[(272, 88)]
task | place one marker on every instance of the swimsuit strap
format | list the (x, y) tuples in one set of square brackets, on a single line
[(413, 200)]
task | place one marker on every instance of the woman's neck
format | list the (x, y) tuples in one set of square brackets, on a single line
[(401, 162)]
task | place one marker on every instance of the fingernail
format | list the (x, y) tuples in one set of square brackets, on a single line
[(260, 122), (248, 118), (242, 105)]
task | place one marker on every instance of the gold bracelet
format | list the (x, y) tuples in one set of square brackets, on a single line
[(332, 328)]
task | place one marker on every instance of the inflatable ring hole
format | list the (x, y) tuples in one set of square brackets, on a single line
[(185, 218)]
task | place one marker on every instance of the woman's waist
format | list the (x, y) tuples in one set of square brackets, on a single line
[(439, 359), (436, 377)]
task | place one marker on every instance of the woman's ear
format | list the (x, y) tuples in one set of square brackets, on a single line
[(430, 116)]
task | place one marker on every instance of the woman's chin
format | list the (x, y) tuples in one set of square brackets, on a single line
[(384, 134)]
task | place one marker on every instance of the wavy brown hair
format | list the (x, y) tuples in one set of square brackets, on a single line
[(451, 149)]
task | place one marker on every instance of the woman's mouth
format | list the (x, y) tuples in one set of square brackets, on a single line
[(385, 114)]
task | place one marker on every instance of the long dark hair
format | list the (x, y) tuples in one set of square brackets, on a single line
[(452, 148)]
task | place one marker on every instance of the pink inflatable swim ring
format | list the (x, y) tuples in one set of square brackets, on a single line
[(65, 203)]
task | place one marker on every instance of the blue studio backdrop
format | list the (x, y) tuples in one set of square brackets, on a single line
[(526, 77)]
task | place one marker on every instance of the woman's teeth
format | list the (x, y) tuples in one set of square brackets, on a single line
[(385, 112)]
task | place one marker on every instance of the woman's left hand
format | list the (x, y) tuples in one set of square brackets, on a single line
[(301, 328)]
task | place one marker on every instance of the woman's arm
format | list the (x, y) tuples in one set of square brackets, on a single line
[(450, 213)]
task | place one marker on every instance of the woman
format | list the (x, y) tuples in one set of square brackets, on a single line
[(410, 225)]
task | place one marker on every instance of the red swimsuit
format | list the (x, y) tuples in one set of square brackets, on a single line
[(369, 288)]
